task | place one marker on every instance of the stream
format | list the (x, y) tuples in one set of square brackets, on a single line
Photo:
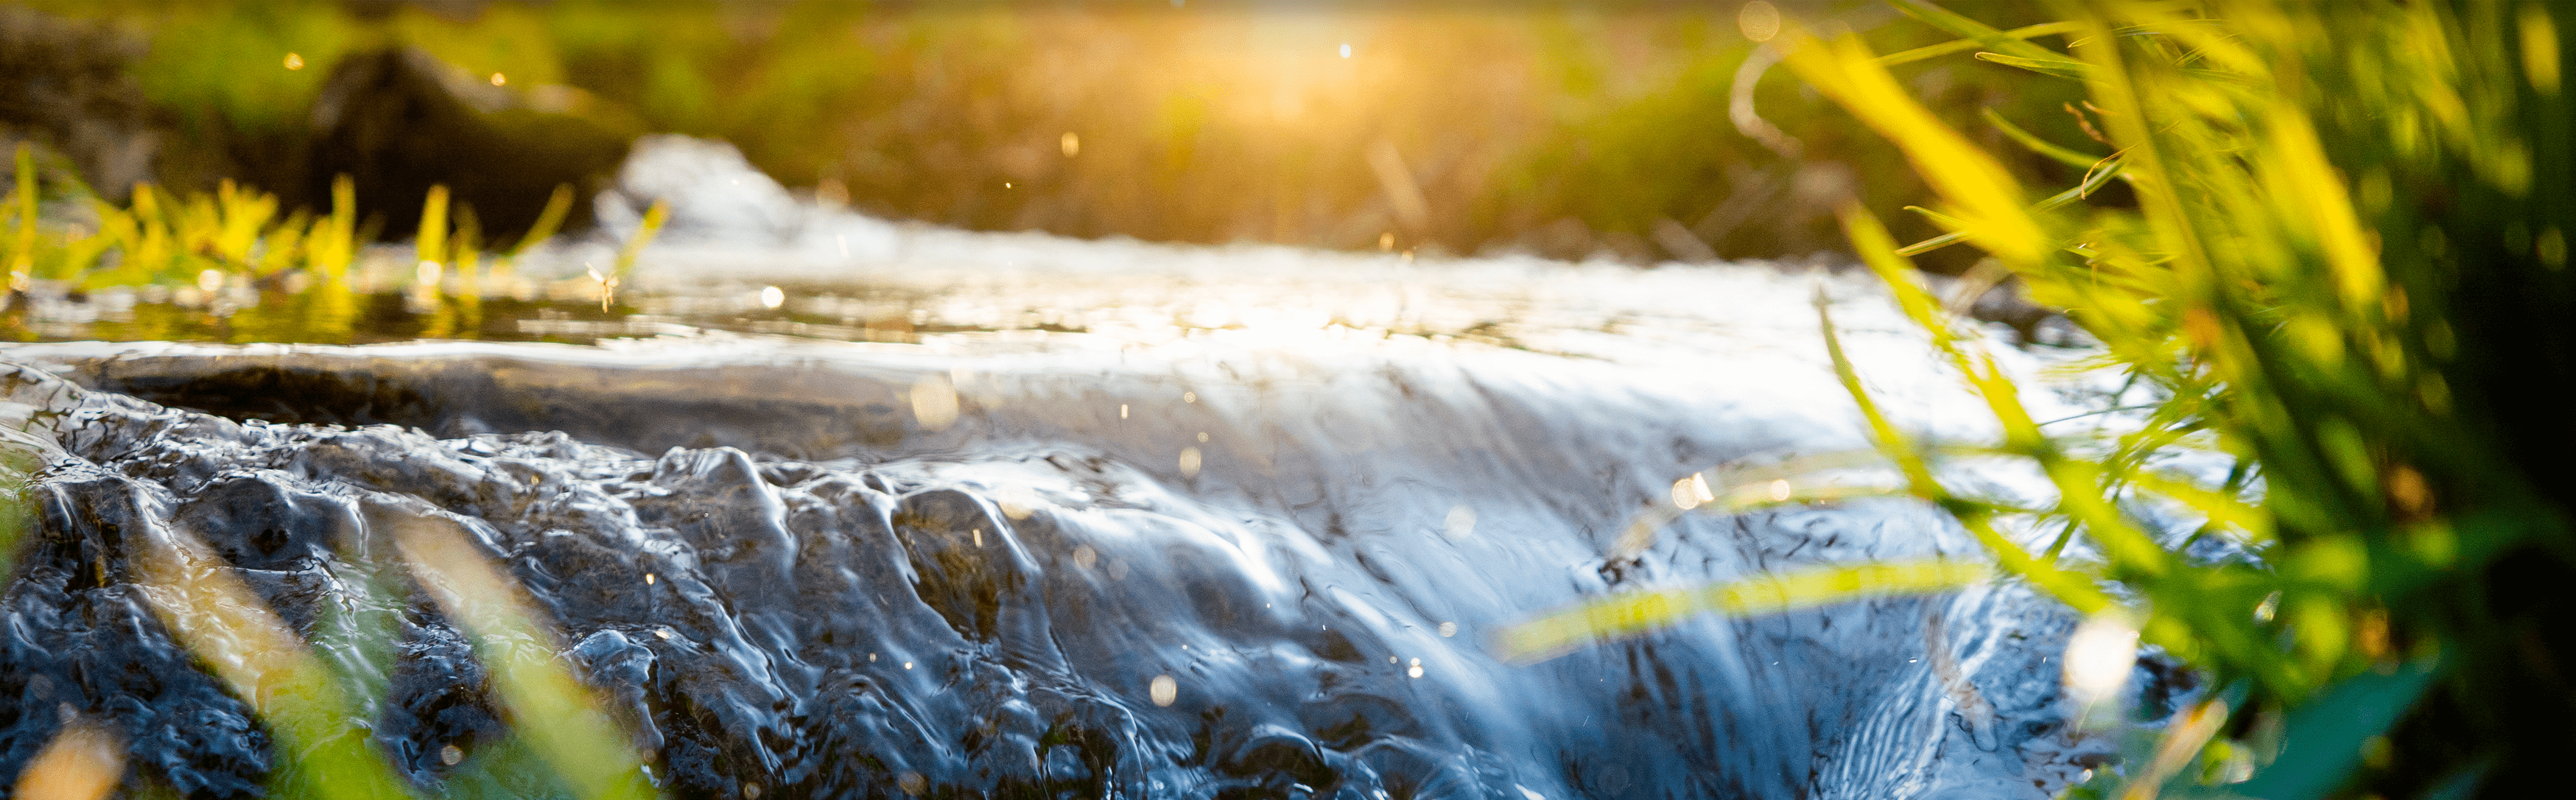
[(1009, 515)]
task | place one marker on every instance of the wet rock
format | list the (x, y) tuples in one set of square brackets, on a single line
[(1028, 613), (398, 121), (714, 194)]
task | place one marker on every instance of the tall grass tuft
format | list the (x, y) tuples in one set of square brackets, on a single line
[(161, 238), (2340, 266)]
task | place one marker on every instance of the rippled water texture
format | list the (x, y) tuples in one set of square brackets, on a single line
[(965, 565)]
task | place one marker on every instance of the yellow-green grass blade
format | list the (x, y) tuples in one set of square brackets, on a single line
[(1985, 197), (548, 706), (322, 751), (431, 241), (2056, 67), (22, 252), (550, 220), (1963, 45), (1633, 613), (2220, 507), (2308, 188), (654, 218), (1878, 250), (334, 241), (1979, 32), (2038, 145)]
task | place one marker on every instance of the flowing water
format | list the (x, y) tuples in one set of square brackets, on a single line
[(854, 510)]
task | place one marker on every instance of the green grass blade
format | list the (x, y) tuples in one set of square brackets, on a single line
[(1632, 613), (1980, 192), (2038, 145), (654, 217), (1931, 244), (2220, 507), (550, 220), (1878, 251), (1979, 32), (2057, 67), (2324, 736), (431, 241), (549, 707), (322, 750), (22, 252), (1964, 45)]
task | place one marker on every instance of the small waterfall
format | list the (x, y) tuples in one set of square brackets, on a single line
[(1111, 519)]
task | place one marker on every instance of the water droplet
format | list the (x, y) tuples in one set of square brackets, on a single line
[(934, 402), (1759, 20), (912, 783), (1780, 491), (1414, 671), (2099, 657), (751, 791), (1460, 522), (1684, 497), (451, 755), (648, 579), (1070, 144), (294, 61), (1448, 629), (1122, 410), (1189, 462), (772, 297), (1165, 690), (499, 79), (1084, 556), (1189, 397), (1346, 49), (907, 665), (1202, 437)]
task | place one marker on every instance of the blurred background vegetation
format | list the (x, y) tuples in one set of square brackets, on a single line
[(1566, 129)]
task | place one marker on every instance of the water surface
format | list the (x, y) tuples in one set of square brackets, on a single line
[(999, 515)]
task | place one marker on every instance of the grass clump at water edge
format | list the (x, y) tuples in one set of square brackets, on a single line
[(257, 274), (2342, 273)]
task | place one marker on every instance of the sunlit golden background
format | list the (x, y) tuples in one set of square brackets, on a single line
[(1570, 130)]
